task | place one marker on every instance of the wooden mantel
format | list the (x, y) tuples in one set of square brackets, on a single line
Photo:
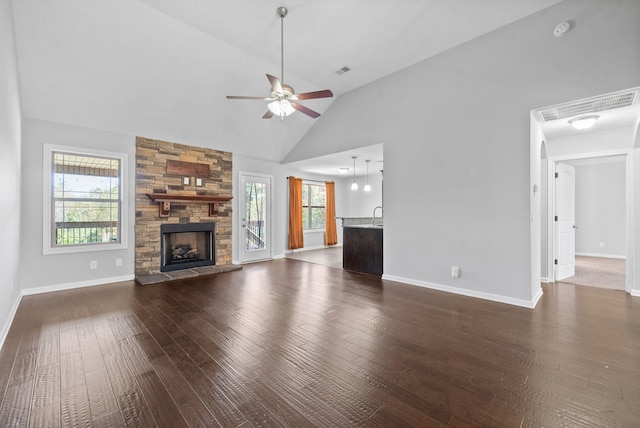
[(164, 201)]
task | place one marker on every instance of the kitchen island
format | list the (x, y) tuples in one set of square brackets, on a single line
[(362, 248)]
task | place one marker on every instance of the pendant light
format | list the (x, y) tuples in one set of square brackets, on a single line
[(367, 187), (354, 185)]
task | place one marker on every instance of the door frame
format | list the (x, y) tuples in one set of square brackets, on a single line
[(241, 208), (552, 244)]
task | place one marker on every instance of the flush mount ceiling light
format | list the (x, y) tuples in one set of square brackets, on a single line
[(343, 170), (367, 187), (584, 122), (354, 185)]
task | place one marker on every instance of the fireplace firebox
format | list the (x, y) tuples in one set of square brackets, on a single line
[(188, 245)]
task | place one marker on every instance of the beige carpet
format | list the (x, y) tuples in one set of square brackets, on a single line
[(598, 272)]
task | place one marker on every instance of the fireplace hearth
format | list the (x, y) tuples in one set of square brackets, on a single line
[(187, 245)]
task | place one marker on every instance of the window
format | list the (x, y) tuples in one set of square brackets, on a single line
[(85, 206), (313, 206)]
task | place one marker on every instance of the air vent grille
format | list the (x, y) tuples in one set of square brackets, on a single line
[(590, 105), (343, 70)]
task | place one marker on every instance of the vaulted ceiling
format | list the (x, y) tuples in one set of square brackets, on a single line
[(162, 68)]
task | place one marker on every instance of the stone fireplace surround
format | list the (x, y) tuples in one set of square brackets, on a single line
[(152, 177)]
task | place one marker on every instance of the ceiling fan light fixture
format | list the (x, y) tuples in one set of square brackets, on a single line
[(281, 107), (283, 100), (584, 122)]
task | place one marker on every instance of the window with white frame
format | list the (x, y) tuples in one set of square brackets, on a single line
[(85, 209), (313, 206)]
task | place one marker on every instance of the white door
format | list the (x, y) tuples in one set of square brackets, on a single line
[(255, 217), (566, 221)]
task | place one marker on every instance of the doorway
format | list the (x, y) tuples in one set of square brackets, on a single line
[(255, 217), (590, 221), (553, 139)]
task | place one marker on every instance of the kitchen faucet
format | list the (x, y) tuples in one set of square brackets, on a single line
[(373, 219)]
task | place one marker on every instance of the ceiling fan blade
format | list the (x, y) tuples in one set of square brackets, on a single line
[(268, 115), (305, 110), (241, 97), (276, 86), (316, 94)]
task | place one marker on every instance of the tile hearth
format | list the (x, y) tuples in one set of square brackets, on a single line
[(184, 273)]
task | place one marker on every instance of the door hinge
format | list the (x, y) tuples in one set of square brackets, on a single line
[(555, 218), (556, 175), (555, 261)]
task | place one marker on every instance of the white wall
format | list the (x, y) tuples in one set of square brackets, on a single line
[(358, 203), (64, 270), (601, 212), (460, 153), (10, 123)]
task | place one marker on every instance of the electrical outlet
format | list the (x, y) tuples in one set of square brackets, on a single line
[(456, 272), (93, 264), (118, 262), (602, 245)]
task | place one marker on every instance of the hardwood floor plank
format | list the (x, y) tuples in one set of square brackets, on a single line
[(164, 410), (102, 400), (75, 411), (47, 416), (192, 408), (289, 343), (47, 386), (16, 403), (71, 370)]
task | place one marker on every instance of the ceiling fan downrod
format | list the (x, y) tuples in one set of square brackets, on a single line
[(282, 12)]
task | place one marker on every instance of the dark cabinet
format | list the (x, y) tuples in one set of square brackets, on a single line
[(362, 249)]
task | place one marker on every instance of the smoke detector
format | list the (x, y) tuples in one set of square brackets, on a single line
[(561, 29)]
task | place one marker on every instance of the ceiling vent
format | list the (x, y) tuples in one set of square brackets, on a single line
[(590, 105), (343, 70)]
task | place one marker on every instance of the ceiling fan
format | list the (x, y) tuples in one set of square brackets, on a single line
[(283, 99)]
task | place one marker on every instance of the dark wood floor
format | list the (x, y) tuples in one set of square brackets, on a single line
[(289, 343)]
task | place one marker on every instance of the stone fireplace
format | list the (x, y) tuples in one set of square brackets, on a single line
[(179, 186)]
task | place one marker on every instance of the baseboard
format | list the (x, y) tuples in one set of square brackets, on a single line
[(469, 293), (635, 293), (317, 247), (80, 284), (7, 325), (536, 298), (604, 256), (546, 280)]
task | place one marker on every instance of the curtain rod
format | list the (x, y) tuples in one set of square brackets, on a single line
[(316, 181)]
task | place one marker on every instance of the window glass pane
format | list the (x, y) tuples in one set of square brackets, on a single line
[(256, 210), (317, 218), (317, 196), (86, 199)]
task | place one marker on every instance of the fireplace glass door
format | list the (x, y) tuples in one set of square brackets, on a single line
[(186, 246)]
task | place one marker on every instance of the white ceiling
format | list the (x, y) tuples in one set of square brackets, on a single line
[(162, 68)]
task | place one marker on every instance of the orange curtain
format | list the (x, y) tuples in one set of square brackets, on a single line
[(296, 236), (330, 232)]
